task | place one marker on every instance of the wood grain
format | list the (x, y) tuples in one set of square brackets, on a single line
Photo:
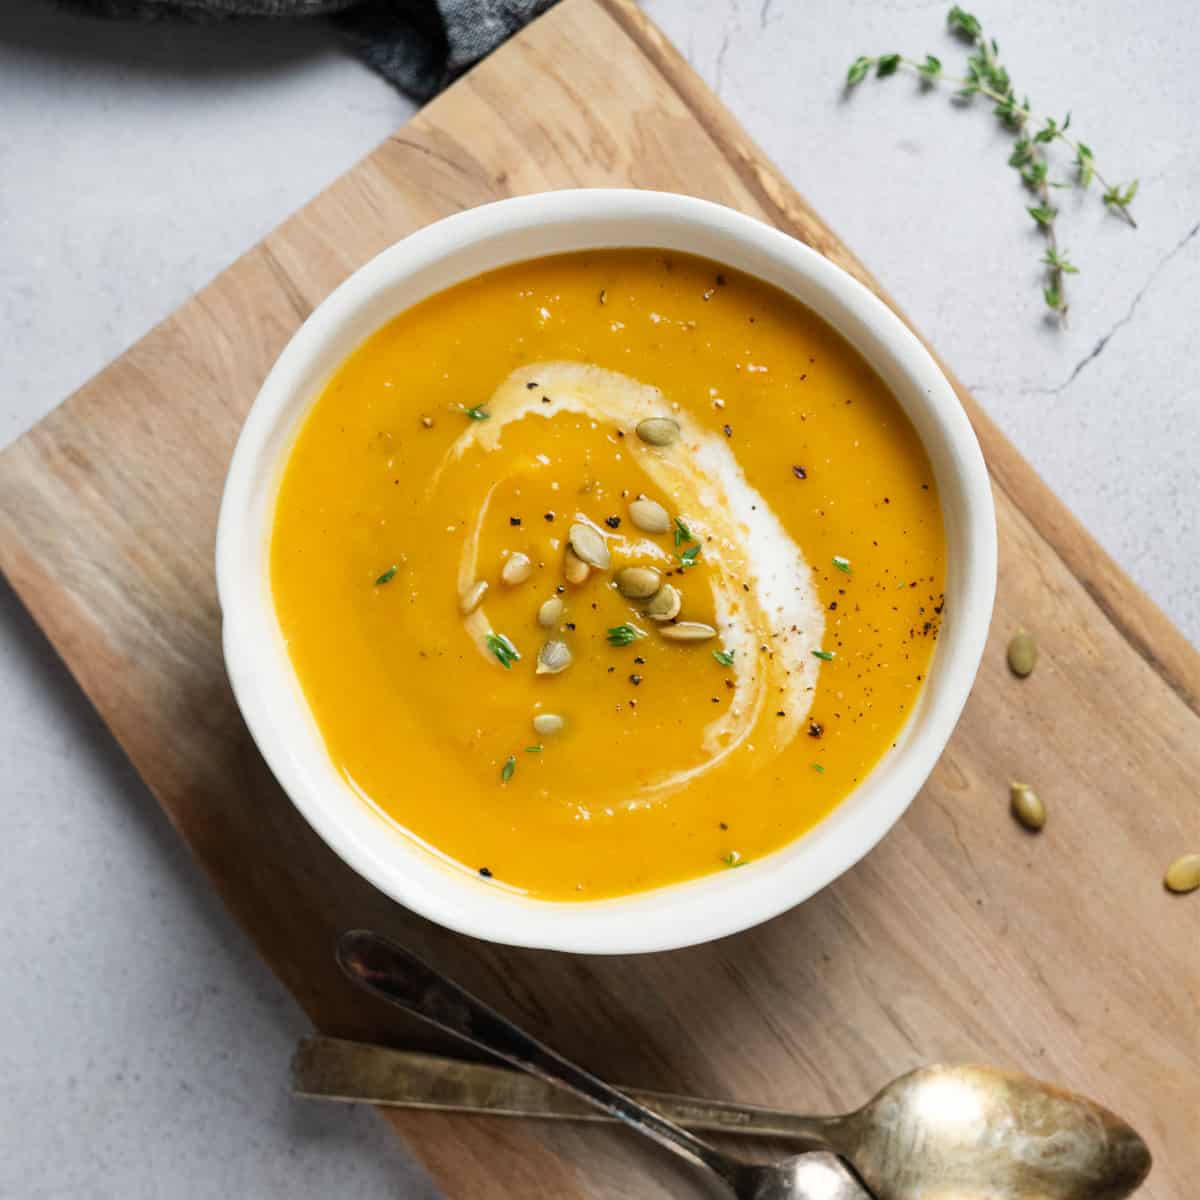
[(960, 937)]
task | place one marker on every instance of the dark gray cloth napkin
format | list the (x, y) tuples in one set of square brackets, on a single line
[(419, 45)]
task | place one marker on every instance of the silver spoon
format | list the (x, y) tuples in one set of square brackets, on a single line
[(391, 972), (944, 1131)]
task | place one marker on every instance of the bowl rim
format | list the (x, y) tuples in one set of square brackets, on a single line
[(414, 874)]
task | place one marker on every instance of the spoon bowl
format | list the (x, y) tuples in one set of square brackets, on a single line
[(956, 1131), (819, 1175)]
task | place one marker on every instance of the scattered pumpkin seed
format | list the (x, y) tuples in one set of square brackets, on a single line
[(575, 570), (658, 431), (649, 516), (1022, 653), (638, 583), (665, 603), (427, 422), (553, 657), (517, 568), (468, 602), (688, 631), (550, 612), (589, 545), (548, 724), (1027, 807), (1183, 875)]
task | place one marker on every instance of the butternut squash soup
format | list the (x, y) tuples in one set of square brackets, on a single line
[(607, 570)]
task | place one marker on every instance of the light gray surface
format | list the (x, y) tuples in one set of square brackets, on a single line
[(143, 1046)]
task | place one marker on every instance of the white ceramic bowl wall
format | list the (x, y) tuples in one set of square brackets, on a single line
[(269, 694)]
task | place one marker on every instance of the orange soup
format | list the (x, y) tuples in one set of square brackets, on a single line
[(607, 570)]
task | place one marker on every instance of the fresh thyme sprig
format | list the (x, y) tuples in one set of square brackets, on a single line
[(986, 77), (506, 653), (624, 635)]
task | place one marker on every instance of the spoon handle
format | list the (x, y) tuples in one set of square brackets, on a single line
[(391, 972), (325, 1068)]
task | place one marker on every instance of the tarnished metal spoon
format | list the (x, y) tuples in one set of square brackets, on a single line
[(391, 972), (944, 1132), (937, 1133)]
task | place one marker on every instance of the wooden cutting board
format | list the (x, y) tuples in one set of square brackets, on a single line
[(960, 937)]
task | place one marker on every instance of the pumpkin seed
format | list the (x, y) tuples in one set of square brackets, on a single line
[(550, 612), (548, 723), (1022, 653), (589, 545), (468, 602), (427, 422), (688, 631), (1027, 807), (575, 570), (517, 568), (665, 603), (658, 431), (649, 516), (1183, 875), (638, 583), (553, 657)]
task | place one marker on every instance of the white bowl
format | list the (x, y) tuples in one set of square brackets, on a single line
[(269, 694)]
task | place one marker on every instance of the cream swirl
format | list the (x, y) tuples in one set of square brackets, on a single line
[(764, 597)]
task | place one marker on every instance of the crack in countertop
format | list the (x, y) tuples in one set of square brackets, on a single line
[(1103, 341), (719, 66)]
